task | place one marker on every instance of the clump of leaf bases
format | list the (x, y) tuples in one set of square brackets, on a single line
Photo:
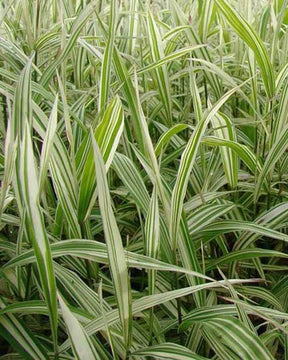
[(144, 171)]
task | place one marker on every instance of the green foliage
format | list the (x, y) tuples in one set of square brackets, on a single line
[(143, 168)]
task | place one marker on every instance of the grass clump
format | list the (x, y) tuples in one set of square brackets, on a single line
[(143, 179)]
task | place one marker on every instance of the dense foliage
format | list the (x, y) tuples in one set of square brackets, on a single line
[(144, 171)]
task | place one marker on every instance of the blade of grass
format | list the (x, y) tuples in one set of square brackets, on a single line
[(245, 31), (35, 227), (115, 249), (82, 346), (186, 164)]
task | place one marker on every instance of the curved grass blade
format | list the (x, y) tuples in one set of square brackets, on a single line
[(281, 119), (225, 226), (152, 237), (193, 38), (107, 135), (147, 302), (245, 31), (173, 56), (186, 165), (274, 218), (97, 251), (224, 129), (168, 351), (48, 144), (239, 255), (20, 338), (9, 166), (62, 173), (77, 26), (107, 59), (22, 108), (166, 136), (82, 346), (157, 54), (246, 155), (237, 338), (273, 156), (206, 214), (115, 248), (35, 227), (26, 307)]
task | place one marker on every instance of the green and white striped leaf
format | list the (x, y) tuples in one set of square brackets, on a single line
[(107, 59), (167, 135), (152, 237), (231, 333), (48, 144), (20, 337), (97, 251), (77, 26), (245, 154), (226, 226), (157, 53), (168, 351), (186, 165), (150, 301), (115, 248), (224, 129), (82, 345), (273, 156), (245, 31), (107, 135), (35, 227), (165, 59), (281, 120)]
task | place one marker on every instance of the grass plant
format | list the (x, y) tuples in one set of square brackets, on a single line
[(144, 168)]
